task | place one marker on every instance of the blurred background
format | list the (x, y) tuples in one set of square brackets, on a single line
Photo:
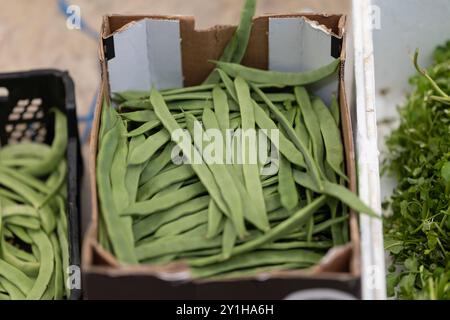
[(33, 33)]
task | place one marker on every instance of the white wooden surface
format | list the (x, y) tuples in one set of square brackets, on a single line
[(372, 252)]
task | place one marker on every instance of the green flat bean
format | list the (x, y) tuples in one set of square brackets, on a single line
[(300, 129), (20, 254), (152, 124), (286, 185), (312, 125), (26, 222), (336, 191), (229, 85), (139, 116), (286, 147), (318, 228), (239, 274), (32, 197), (275, 233), (215, 218), (273, 202), (27, 180), (188, 96), (119, 170), (198, 253), (156, 164), (201, 170), (284, 78), (47, 266), (224, 180), (257, 258), (11, 195), (146, 150), (4, 297), (312, 167), (20, 233), (61, 231), (182, 224), (131, 95), (298, 245), (160, 260), (290, 115), (280, 214), (229, 238), (236, 48), (13, 291), (146, 127), (58, 281), (29, 268), (190, 105), (270, 191), (134, 105), (133, 171), (24, 150), (108, 118), (171, 188), (335, 110), (55, 186), (250, 171), (221, 109), (235, 123), (151, 223), (269, 181), (331, 137), (119, 241), (163, 180), (16, 277), (176, 244), (275, 97), (166, 201), (58, 148), (19, 210), (199, 88)]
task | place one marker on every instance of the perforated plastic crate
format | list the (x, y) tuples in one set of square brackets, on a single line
[(25, 101)]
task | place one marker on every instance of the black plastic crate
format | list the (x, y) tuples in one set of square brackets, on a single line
[(25, 101)]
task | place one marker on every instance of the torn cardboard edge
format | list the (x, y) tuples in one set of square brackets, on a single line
[(147, 52), (196, 48), (178, 270)]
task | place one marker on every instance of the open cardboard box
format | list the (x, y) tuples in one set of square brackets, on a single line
[(104, 277)]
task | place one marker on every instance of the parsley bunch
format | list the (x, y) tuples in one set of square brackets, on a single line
[(417, 235)]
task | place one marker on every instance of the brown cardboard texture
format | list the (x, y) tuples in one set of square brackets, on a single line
[(104, 277)]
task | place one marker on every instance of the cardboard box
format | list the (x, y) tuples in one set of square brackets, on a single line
[(104, 277)]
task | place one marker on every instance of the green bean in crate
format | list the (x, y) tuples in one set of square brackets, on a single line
[(33, 225), (224, 218)]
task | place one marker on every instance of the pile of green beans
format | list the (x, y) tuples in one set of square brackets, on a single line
[(34, 250), (224, 219)]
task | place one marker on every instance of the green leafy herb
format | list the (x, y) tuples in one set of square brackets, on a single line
[(417, 235)]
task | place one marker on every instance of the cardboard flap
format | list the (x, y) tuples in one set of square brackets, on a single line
[(147, 54), (297, 44)]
